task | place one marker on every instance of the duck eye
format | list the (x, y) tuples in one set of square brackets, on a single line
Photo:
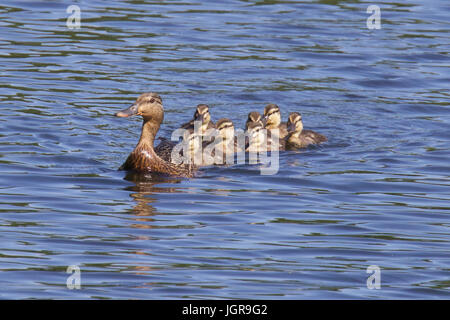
[(152, 100)]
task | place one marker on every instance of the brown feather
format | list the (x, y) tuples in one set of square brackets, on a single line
[(144, 158)]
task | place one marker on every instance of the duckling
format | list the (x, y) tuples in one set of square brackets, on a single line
[(227, 143), (256, 138), (298, 137), (272, 119), (201, 114), (226, 130), (195, 147), (253, 116), (144, 158), (259, 139)]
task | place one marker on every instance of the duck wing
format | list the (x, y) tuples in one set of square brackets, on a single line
[(164, 149), (314, 137), (188, 125)]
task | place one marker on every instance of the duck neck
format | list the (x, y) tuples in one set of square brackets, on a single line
[(149, 130)]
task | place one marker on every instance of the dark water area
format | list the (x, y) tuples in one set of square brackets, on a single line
[(376, 194)]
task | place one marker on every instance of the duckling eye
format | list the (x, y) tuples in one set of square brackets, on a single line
[(152, 100)]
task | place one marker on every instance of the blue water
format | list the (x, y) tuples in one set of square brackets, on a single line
[(377, 193)]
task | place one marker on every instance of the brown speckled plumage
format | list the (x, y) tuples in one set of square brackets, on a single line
[(144, 158), (164, 149)]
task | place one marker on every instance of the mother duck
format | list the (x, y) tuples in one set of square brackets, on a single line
[(144, 158)]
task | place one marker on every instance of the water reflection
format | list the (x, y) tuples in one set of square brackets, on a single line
[(145, 186)]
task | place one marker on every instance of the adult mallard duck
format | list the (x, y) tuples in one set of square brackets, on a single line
[(298, 137), (272, 120), (144, 158)]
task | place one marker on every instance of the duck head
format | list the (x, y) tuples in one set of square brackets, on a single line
[(256, 133), (295, 123), (226, 129), (202, 114), (148, 105), (253, 116), (272, 116)]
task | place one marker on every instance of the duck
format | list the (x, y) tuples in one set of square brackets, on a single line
[(298, 137), (166, 146), (227, 143), (256, 139), (272, 120), (259, 139), (144, 159), (194, 146), (253, 116), (203, 116)]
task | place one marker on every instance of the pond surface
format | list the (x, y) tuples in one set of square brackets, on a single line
[(376, 194)]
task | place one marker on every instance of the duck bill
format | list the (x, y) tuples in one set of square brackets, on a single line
[(131, 111)]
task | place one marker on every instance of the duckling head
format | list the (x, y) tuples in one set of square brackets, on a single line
[(202, 114), (272, 116), (148, 105), (253, 116), (256, 134), (295, 123), (226, 129)]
